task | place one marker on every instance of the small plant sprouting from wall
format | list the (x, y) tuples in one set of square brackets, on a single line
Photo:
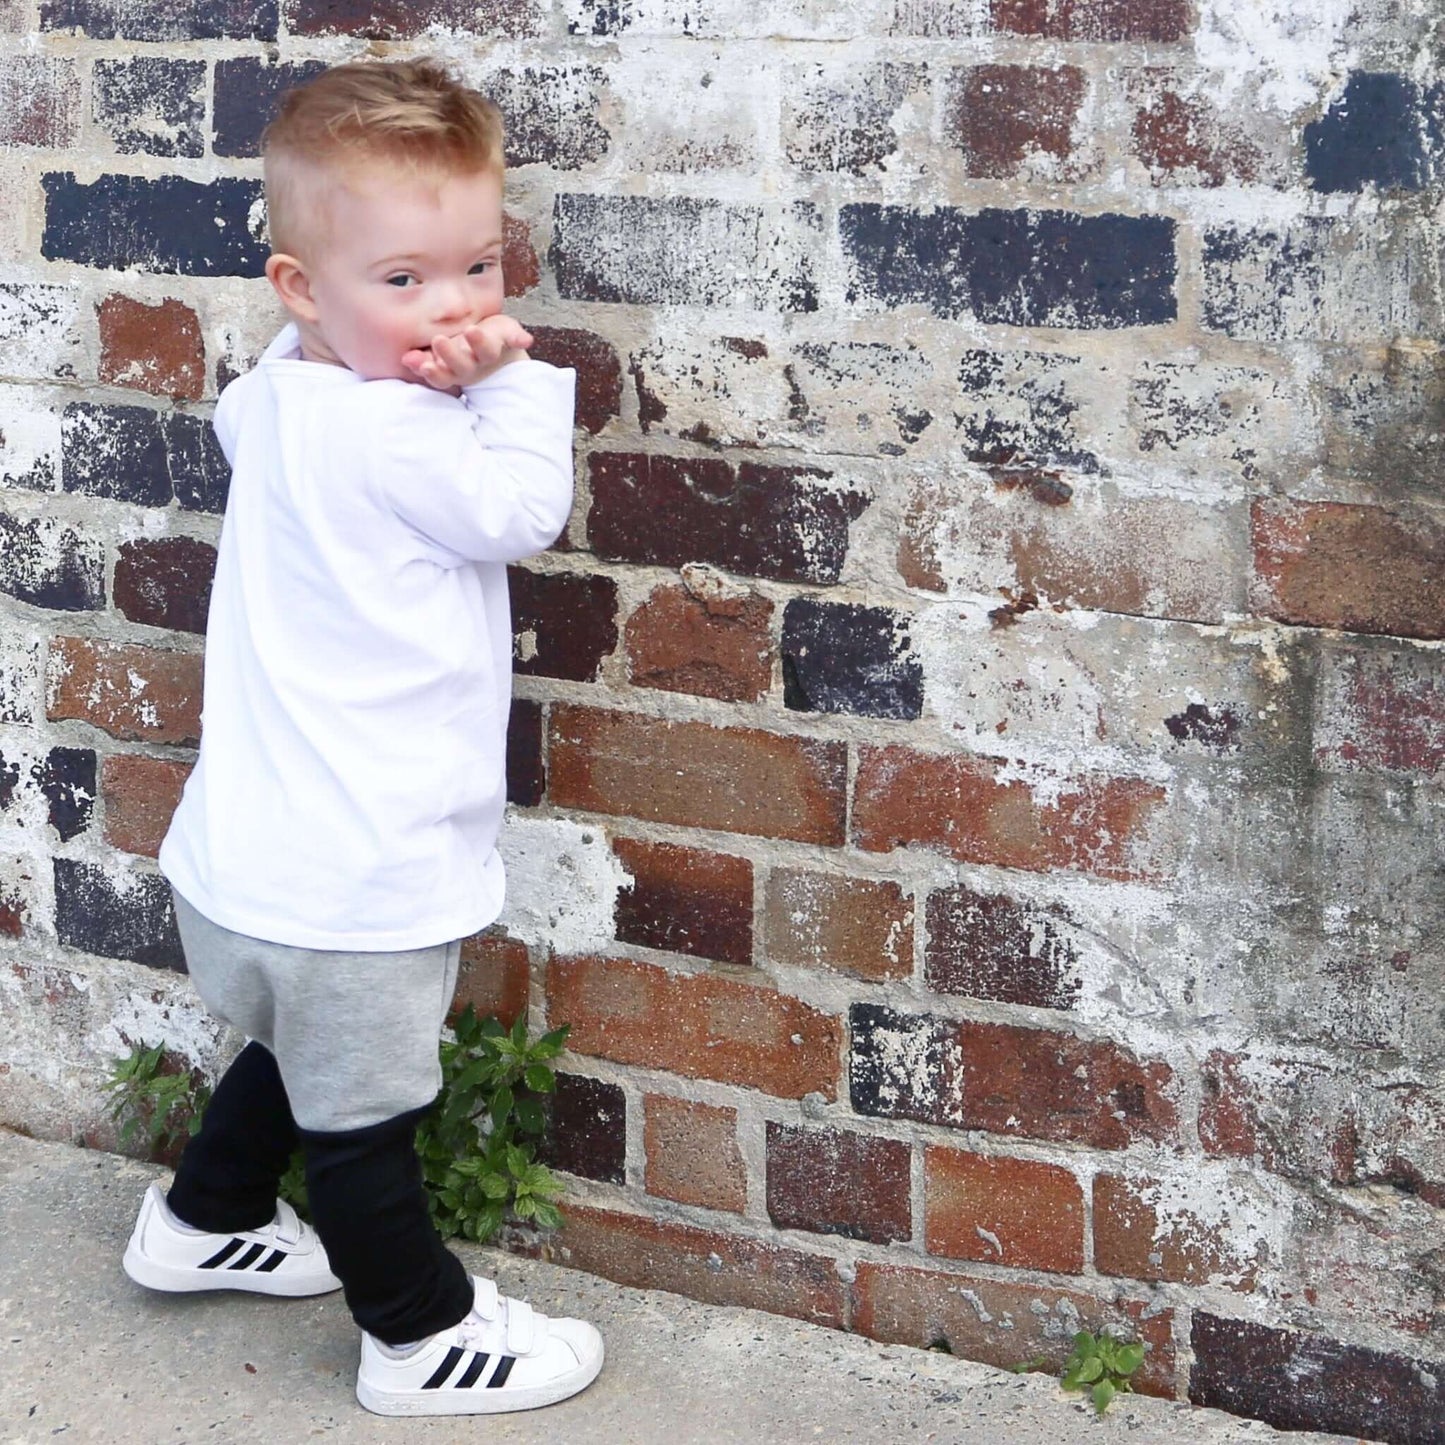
[(477, 1146)]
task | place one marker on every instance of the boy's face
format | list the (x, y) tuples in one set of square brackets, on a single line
[(406, 258)]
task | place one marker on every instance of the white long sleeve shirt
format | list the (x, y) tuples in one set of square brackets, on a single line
[(351, 778)]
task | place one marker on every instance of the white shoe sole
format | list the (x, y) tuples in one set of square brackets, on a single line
[(177, 1279), (477, 1401)]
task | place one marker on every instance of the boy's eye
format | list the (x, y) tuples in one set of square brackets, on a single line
[(482, 266), (400, 279)]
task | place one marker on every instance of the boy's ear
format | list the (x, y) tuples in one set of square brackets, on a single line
[(289, 278)]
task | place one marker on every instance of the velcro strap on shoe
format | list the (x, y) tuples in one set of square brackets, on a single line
[(486, 1304), (521, 1327), (288, 1224)]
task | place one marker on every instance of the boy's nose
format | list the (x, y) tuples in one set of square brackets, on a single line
[(452, 306)]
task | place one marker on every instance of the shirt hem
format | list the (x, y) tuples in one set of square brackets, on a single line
[(266, 930)]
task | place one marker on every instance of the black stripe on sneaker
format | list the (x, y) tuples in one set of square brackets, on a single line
[(445, 1368), (504, 1368), (222, 1255), (271, 1261), (473, 1372), (249, 1258)]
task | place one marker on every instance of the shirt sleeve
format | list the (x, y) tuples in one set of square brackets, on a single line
[(224, 420), (486, 476)]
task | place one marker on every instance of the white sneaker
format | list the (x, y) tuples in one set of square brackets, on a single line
[(503, 1356), (284, 1257)]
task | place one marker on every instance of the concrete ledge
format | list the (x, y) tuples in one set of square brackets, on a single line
[(89, 1356)]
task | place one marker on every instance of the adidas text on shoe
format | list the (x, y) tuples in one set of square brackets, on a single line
[(284, 1257), (503, 1356)]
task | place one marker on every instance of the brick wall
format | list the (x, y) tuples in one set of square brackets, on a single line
[(977, 774)]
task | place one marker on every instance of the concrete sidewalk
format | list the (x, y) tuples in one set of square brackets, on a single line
[(85, 1355)]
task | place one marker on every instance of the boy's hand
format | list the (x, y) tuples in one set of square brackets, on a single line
[(464, 359)]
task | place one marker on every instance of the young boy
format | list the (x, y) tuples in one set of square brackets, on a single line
[(392, 451)]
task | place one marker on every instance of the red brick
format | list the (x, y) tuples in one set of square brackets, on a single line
[(990, 946), (716, 1028), (1132, 1240), (404, 19), (762, 521), (693, 1155), (686, 900), (1383, 710), (710, 646), (140, 795), (137, 694), (39, 101), (494, 976), (1184, 140), (861, 926), (959, 805), (564, 624), (166, 582), (1003, 1323), (12, 915), (599, 370), (1036, 1083), (1361, 569), (158, 348), (703, 1264), (1001, 116), (1002, 1211), (1146, 557), (832, 1181), (521, 270), (735, 780), (1161, 20)]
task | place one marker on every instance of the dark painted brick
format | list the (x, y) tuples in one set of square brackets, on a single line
[(830, 1181), (246, 94), (773, 522), (67, 778), (598, 367), (49, 565), (838, 657), (137, 921), (848, 127), (1381, 131), (9, 777), (166, 582), (141, 455), (1159, 20), (586, 1129), (403, 19), (1034, 1083), (152, 104), (1297, 1381), (683, 251), (1019, 409), (1020, 268), (199, 470), (991, 946), (162, 20), (168, 225), (550, 114), (1216, 728), (563, 623), (686, 900), (526, 780), (117, 452)]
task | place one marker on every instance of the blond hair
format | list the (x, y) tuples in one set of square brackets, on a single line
[(410, 114)]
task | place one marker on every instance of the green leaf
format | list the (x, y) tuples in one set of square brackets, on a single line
[(496, 1186), (548, 1215), (1104, 1393), (1028, 1365), (530, 1116), (1130, 1358), (1091, 1369), (501, 1104), (540, 1079), (519, 1032)]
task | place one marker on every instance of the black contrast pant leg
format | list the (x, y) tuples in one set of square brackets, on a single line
[(367, 1199), (226, 1181)]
